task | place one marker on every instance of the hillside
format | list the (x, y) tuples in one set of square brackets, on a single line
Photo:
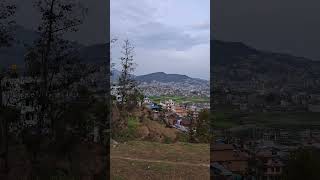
[(234, 61), (151, 160), (162, 77), (24, 38)]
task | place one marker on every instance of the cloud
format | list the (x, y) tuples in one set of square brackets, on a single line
[(173, 45), (155, 35)]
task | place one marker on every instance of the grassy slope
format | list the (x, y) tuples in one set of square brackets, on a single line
[(176, 153)]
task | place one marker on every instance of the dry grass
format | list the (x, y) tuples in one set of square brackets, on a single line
[(151, 160)]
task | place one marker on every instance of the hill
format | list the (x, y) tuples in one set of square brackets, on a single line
[(15, 54), (24, 38), (162, 77), (168, 78), (235, 61)]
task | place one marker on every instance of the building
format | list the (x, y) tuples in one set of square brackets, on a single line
[(15, 94), (169, 104), (147, 100), (230, 158), (272, 166), (116, 93), (181, 112)]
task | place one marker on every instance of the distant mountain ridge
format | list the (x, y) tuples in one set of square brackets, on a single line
[(158, 77), (235, 61), (243, 60), (24, 37), (162, 77)]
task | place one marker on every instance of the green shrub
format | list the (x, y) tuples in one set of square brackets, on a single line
[(130, 132), (167, 140), (182, 137)]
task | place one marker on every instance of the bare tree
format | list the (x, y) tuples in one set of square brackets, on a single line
[(53, 61), (112, 64), (57, 73), (127, 82)]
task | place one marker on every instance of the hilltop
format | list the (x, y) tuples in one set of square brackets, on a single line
[(235, 61)]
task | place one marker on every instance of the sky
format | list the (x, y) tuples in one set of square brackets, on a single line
[(94, 30), (170, 36), (287, 26)]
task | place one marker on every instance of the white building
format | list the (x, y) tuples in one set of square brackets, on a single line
[(147, 100), (169, 104), (115, 92), (14, 94)]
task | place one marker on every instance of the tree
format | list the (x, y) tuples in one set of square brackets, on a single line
[(126, 80), (8, 115), (58, 74), (191, 127), (53, 61), (140, 97), (113, 40), (7, 11), (203, 126)]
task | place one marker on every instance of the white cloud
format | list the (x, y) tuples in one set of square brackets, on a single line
[(172, 46)]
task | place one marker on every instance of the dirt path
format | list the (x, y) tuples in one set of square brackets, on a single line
[(159, 161)]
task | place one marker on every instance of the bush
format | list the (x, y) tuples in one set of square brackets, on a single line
[(181, 137), (129, 133), (167, 140)]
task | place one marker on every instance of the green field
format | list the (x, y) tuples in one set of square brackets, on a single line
[(180, 99), (292, 120)]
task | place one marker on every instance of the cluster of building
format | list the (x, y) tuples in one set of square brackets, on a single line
[(259, 154), (188, 89), (268, 100), (176, 115), (19, 92)]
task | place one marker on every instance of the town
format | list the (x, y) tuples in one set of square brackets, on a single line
[(175, 114), (265, 112)]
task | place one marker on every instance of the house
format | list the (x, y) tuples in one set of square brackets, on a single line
[(147, 100), (230, 158), (154, 107), (219, 172), (180, 111), (185, 122), (115, 92), (15, 89), (169, 104), (272, 166)]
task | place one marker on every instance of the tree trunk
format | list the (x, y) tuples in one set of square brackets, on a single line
[(6, 158), (4, 134)]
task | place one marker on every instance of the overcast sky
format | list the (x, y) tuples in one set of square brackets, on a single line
[(289, 26), (169, 36), (94, 30)]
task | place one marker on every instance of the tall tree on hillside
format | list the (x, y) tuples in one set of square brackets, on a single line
[(57, 72), (53, 61), (126, 80), (191, 127), (7, 11), (113, 40), (203, 126)]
